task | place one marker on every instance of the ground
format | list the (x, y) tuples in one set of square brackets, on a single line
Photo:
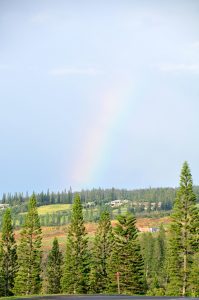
[(49, 233)]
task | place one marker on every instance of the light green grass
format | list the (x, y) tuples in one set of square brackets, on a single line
[(49, 209)]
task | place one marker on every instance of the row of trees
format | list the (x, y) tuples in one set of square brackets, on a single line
[(166, 264), (77, 272), (20, 267), (98, 196), (91, 214)]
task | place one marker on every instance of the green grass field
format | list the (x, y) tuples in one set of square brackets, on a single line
[(49, 209)]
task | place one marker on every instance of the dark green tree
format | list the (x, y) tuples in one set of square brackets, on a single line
[(147, 246), (54, 269), (183, 238), (101, 251), (194, 278), (159, 253), (9, 252), (126, 258), (153, 249), (2, 277), (28, 278), (77, 262)]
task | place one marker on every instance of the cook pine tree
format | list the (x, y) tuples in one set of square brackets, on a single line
[(2, 277), (28, 276), (77, 261), (183, 241), (126, 259), (100, 253), (9, 254), (54, 269)]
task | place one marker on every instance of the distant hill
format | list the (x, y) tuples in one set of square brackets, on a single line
[(54, 208)]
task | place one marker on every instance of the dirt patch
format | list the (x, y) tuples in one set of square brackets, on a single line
[(49, 233)]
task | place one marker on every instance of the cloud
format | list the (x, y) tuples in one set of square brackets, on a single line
[(165, 67), (74, 71)]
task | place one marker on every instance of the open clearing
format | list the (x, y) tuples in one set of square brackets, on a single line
[(49, 209), (48, 233)]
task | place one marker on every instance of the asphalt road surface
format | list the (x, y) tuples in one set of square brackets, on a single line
[(101, 297)]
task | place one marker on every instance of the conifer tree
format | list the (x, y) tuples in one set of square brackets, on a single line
[(126, 258), (101, 251), (194, 277), (184, 237), (155, 261), (9, 252), (2, 277), (76, 263), (54, 269), (159, 253), (28, 279), (147, 247)]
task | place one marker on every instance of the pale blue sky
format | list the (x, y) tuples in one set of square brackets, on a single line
[(98, 93)]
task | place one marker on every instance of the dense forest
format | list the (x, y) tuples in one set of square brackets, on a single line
[(118, 260)]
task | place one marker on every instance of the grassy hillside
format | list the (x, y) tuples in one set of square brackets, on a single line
[(60, 232), (49, 209)]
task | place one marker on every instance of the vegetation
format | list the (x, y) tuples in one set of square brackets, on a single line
[(117, 259), (76, 265), (184, 237), (154, 253), (9, 255), (102, 248), (126, 259), (54, 269), (29, 254)]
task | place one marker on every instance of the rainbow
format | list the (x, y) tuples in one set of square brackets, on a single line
[(114, 102)]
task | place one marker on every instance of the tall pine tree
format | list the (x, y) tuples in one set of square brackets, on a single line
[(184, 237), (54, 269), (101, 251), (77, 263), (126, 258), (9, 252), (2, 277), (28, 279)]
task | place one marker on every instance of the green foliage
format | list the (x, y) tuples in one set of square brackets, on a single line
[(184, 237), (2, 277), (126, 258), (54, 269), (9, 254), (147, 248), (28, 279), (101, 251), (153, 247), (144, 202), (76, 266)]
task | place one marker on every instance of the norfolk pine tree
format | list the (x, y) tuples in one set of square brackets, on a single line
[(9, 252), (76, 263), (184, 237), (54, 269), (101, 251), (28, 280), (126, 258), (2, 277)]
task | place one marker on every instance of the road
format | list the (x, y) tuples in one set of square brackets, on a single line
[(102, 297)]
